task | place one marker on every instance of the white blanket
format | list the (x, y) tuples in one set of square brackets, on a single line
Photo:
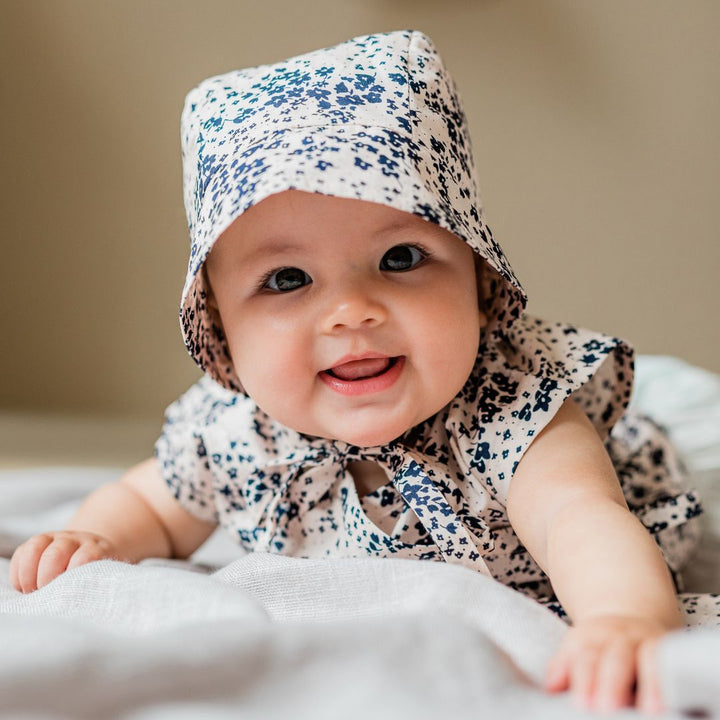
[(272, 637)]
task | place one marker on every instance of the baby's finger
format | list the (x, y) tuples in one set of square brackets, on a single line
[(557, 673), (649, 694), (86, 553), (582, 676), (24, 563), (615, 676), (54, 559), (15, 568)]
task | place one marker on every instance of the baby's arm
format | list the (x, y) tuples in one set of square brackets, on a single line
[(566, 505), (131, 519)]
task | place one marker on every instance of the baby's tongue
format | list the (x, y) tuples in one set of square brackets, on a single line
[(360, 368)]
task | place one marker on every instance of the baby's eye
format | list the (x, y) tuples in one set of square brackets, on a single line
[(286, 279), (402, 257)]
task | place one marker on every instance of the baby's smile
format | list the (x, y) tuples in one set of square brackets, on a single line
[(367, 374)]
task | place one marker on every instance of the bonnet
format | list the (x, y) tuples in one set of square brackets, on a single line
[(376, 118)]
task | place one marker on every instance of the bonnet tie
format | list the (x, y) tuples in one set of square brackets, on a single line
[(427, 491)]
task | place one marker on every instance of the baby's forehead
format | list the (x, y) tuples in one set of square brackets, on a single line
[(290, 217), (286, 206)]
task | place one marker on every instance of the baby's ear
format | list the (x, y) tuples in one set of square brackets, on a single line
[(481, 298), (483, 318), (212, 311), (210, 300)]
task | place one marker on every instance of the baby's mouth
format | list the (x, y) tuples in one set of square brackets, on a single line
[(362, 369)]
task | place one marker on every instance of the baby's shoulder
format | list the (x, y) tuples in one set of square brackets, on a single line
[(219, 421), (206, 404)]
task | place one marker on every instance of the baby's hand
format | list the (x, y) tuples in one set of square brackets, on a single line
[(608, 662), (43, 557)]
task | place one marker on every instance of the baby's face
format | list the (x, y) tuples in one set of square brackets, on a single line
[(345, 319)]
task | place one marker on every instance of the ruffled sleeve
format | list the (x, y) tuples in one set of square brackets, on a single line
[(520, 383), (181, 449), (596, 369)]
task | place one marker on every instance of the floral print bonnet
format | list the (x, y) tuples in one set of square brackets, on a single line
[(376, 118)]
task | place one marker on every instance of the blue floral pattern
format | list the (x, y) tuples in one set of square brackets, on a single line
[(378, 118), (276, 490)]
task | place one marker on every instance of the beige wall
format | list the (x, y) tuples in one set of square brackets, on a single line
[(596, 135)]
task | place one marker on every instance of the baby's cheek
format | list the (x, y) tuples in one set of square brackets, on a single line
[(277, 381)]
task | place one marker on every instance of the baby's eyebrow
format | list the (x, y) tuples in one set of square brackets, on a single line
[(396, 225), (272, 247)]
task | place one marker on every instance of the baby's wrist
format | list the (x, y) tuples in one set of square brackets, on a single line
[(660, 622)]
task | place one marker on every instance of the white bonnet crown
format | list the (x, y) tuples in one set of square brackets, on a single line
[(376, 118)]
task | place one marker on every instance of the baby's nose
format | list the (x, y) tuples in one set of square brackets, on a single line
[(353, 308)]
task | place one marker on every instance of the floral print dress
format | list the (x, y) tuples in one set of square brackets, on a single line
[(379, 118)]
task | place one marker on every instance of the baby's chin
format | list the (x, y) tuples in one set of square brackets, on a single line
[(363, 440), (362, 437), (369, 440), (372, 429)]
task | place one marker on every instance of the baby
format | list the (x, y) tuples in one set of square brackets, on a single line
[(373, 385)]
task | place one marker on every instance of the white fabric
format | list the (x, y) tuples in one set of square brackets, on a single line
[(688, 666), (686, 400), (267, 636), (276, 637)]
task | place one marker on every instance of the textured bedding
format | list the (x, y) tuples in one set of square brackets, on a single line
[(262, 636)]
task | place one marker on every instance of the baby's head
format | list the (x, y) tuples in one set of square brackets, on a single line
[(336, 192), (344, 318)]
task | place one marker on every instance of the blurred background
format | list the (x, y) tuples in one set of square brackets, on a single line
[(595, 129)]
